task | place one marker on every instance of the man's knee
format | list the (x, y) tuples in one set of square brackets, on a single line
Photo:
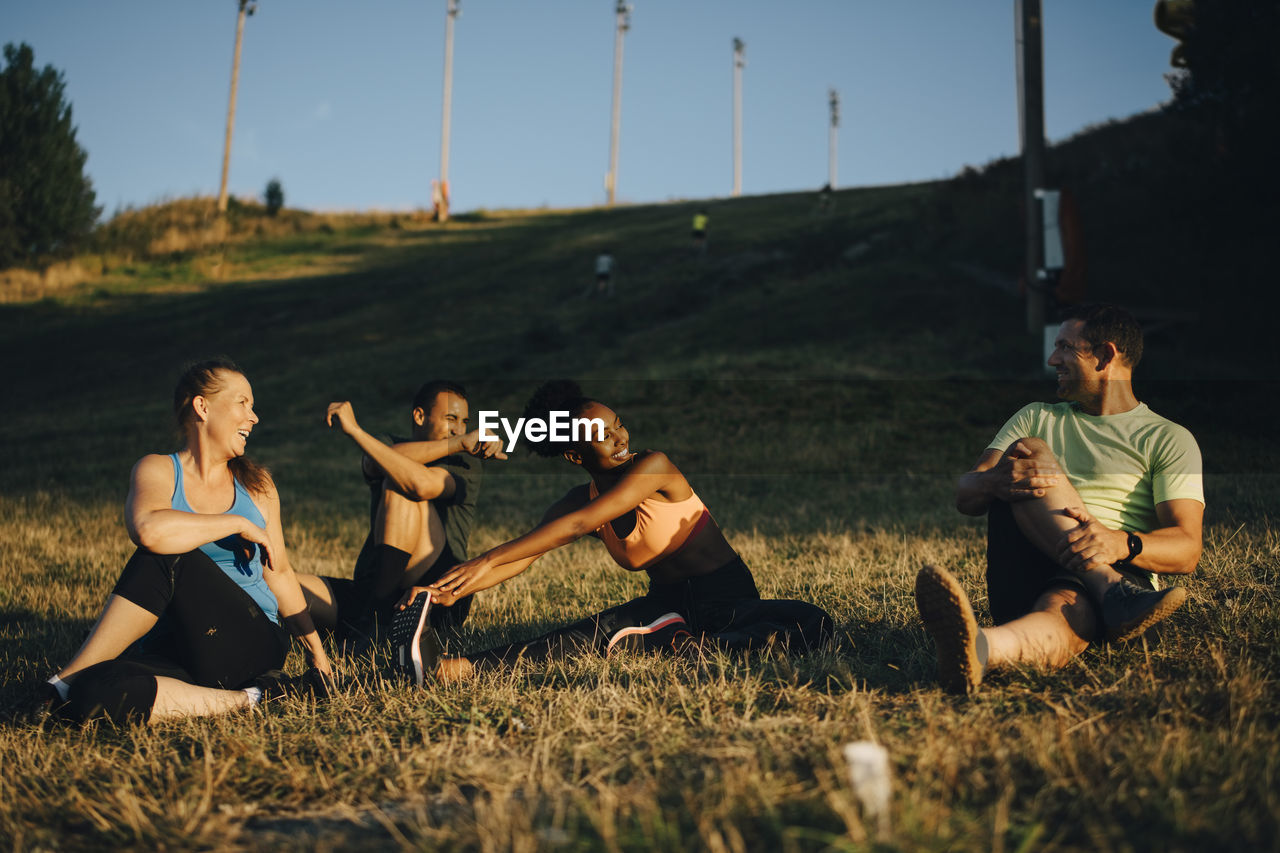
[(1031, 447)]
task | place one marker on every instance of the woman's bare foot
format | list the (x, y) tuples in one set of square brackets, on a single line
[(454, 669)]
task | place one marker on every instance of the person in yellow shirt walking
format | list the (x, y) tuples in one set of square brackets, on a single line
[(700, 231)]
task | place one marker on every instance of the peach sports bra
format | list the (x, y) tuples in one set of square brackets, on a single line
[(661, 528)]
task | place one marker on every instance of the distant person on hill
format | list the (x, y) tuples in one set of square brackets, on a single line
[(1085, 500), (200, 619), (701, 593), (700, 221), (824, 198), (604, 275), (423, 492)]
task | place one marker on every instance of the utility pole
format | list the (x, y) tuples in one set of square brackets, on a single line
[(833, 99), (1029, 31), (247, 7), (440, 196), (623, 11), (739, 60)]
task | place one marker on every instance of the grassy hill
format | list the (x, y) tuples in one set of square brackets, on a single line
[(822, 375)]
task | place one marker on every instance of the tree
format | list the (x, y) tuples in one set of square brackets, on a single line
[(1230, 81), (46, 200), (273, 196)]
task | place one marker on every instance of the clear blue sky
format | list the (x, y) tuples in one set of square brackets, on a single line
[(342, 100)]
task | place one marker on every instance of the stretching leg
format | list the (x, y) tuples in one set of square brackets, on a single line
[(220, 638), (755, 624), (1044, 520), (121, 624), (591, 634)]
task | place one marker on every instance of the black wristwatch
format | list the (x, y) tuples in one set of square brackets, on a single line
[(1135, 548)]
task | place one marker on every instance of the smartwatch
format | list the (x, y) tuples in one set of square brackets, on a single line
[(1135, 548)]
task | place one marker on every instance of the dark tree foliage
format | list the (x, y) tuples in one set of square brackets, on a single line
[(273, 197), (1230, 92), (1231, 84), (46, 200)]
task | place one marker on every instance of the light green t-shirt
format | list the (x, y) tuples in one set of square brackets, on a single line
[(1122, 465)]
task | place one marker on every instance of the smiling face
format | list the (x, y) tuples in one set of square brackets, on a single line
[(447, 417), (226, 412), (1075, 361), (602, 453)]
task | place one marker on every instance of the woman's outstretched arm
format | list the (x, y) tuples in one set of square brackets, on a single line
[(650, 475)]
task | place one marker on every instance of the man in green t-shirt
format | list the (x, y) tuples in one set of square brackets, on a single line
[(1086, 501), (423, 492)]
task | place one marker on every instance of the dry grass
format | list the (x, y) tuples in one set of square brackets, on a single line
[(1147, 747), (835, 487)]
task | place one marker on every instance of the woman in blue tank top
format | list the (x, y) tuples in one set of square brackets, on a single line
[(200, 619)]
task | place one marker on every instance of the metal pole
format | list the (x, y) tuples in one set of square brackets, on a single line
[(739, 60), (623, 11), (231, 107), (451, 12), (1028, 27), (833, 99)]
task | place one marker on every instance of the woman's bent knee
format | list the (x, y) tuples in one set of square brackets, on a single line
[(113, 690)]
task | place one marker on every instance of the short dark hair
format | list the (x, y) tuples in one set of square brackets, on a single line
[(1104, 322), (426, 396)]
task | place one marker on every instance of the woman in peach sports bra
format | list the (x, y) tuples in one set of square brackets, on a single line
[(701, 593)]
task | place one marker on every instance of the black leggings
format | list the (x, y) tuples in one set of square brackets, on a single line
[(210, 633), (723, 606), (360, 614)]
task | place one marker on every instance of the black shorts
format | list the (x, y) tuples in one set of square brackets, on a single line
[(698, 235), (1018, 572)]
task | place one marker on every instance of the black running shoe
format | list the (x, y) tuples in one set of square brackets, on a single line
[(665, 633), (414, 646), (1128, 609)]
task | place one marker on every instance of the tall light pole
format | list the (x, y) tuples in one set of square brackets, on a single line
[(739, 60), (833, 99), (623, 11), (247, 7), (442, 188), (1028, 31)]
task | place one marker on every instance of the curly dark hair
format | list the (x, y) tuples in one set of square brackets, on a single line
[(558, 395)]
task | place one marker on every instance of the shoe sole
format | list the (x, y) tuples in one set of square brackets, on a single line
[(948, 617), (664, 621), (407, 629), (1172, 600)]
